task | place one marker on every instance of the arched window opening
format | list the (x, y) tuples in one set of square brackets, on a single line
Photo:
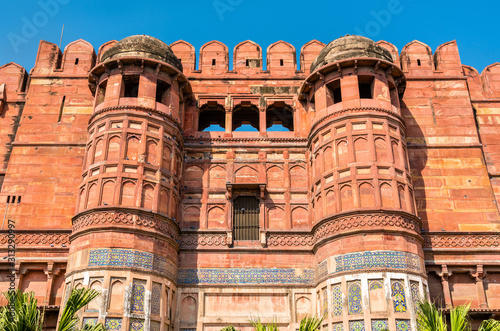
[(101, 92), (162, 91), (365, 84), (130, 87), (246, 118), (212, 117), (279, 117), (334, 92)]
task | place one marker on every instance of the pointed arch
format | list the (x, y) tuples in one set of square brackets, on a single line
[(114, 144), (308, 53), (99, 151), (342, 153), (108, 192), (381, 152), (217, 176), (391, 48), (95, 305), (331, 204), (191, 217), (152, 152), (116, 296), (216, 218), (402, 198), (127, 195), (133, 145), (147, 196), (166, 156), (186, 53), (93, 196), (346, 198), (164, 201), (275, 177), (300, 218), (361, 150), (386, 194), (214, 55), (104, 47), (193, 176), (366, 195), (298, 177), (276, 217), (246, 174)]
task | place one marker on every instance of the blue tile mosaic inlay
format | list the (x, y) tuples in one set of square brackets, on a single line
[(134, 259), (377, 260), (357, 326), (245, 276), (403, 325), (380, 325)]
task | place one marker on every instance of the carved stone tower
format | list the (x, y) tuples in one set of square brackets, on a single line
[(369, 249), (125, 232)]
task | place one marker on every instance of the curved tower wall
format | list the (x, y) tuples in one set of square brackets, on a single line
[(125, 232), (370, 267)]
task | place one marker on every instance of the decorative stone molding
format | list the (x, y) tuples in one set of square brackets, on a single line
[(213, 239), (37, 238), (461, 241), (126, 217)]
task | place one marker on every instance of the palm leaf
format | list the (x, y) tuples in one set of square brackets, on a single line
[(78, 299), (430, 318), (458, 318), (490, 325), (310, 323)]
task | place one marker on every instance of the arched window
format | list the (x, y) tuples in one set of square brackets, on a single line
[(246, 118), (212, 117), (279, 117)]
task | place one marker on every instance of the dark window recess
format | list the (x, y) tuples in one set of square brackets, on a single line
[(248, 63), (61, 109), (245, 118), (246, 214), (335, 91), (281, 62), (419, 63), (76, 61), (212, 118), (130, 86), (13, 199), (279, 117), (161, 91), (213, 62), (365, 87), (101, 92)]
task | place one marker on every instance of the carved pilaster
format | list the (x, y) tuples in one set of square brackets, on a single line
[(444, 275), (479, 274)]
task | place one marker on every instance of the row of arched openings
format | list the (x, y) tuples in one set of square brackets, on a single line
[(245, 117)]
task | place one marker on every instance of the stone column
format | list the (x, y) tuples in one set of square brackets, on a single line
[(479, 275), (445, 274)]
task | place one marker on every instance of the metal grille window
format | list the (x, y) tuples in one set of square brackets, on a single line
[(246, 218)]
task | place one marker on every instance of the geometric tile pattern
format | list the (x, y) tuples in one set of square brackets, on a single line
[(129, 258), (321, 270), (415, 293), (377, 260), (136, 325), (379, 325), (337, 300), (245, 276), (89, 321), (354, 298), (154, 326), (113, 324), (325, 302), (403, 325), (138, 293), (357, 326), (155, 299), (398, 296), (338, 327), (375, 285)]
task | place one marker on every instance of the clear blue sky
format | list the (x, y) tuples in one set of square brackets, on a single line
[(474, 25)]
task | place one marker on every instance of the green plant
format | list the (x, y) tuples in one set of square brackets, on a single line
[(429, 318), (228, 328), (24, 315), (78, 299), (258, 326), (310, 323), (490, 325)]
